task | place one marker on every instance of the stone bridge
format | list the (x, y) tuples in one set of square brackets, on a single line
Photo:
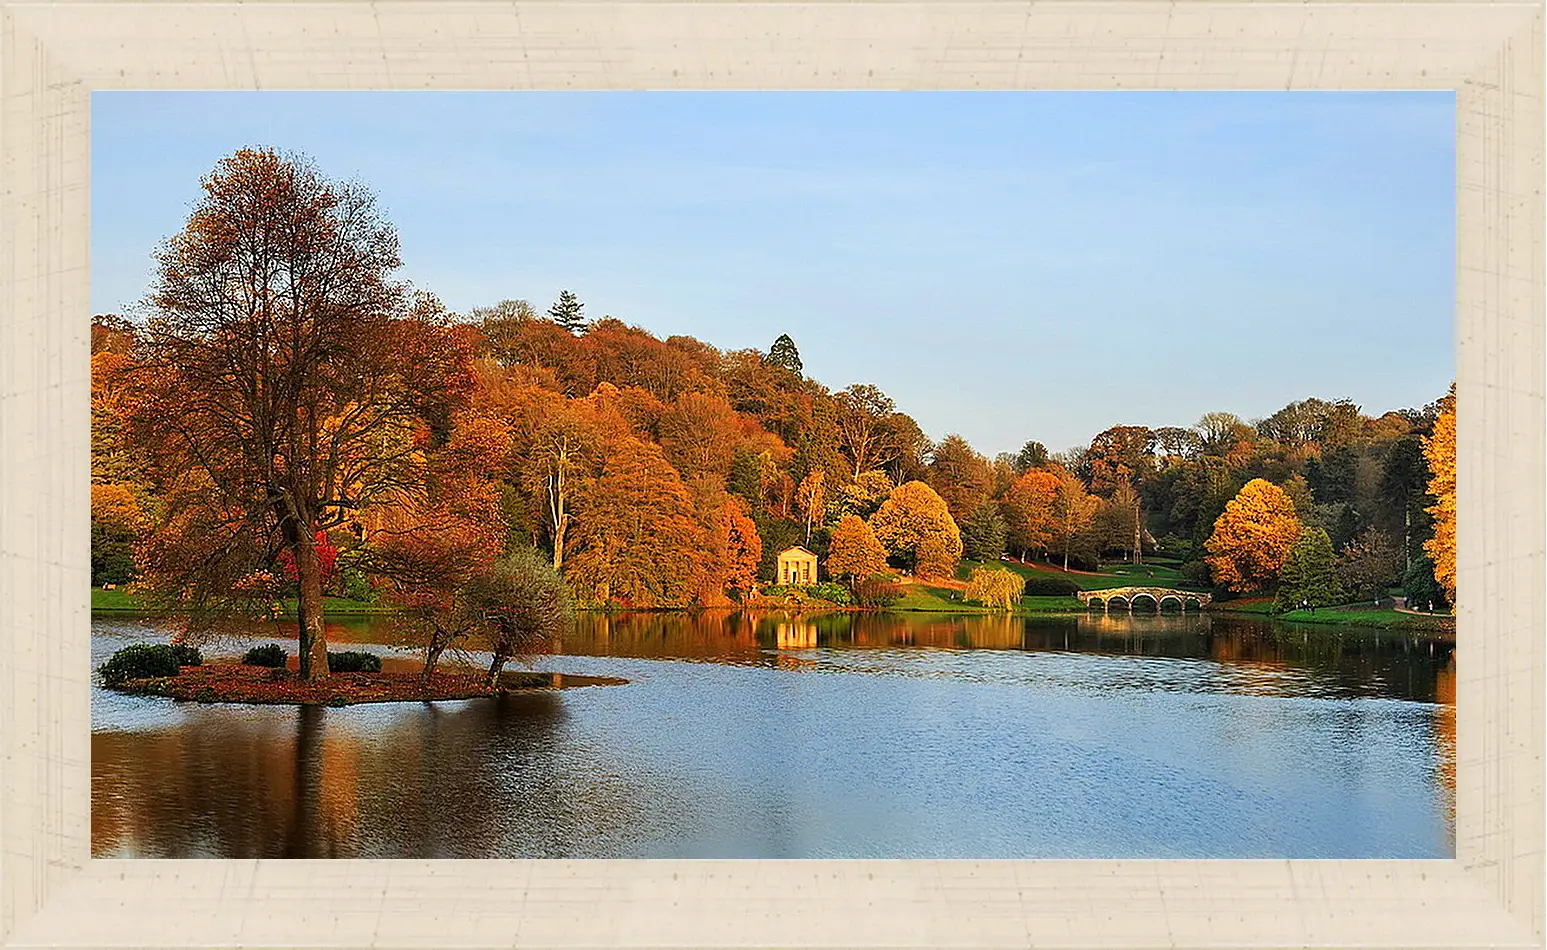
[(1126, 598)]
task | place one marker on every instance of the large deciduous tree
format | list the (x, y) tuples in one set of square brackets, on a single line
[(638, 542), (863, 416), (854, 552), (915, 526), (960, 475), (1253, 537), (1029, 511), (1369, 564), (286, 381), (1440, 451), (1074, 512)]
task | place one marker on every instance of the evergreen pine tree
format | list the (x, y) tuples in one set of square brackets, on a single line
[(568, 312), (1309, 575), (783, 353)]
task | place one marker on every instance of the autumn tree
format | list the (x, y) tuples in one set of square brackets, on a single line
[(1120, 454), (811, 500), (994, 587), (568, 312), (699, 432), (917, 529), (784, 355), (1369, 564), (119, 519), (864, 432), (854, 551), (1253, 537), (866, 493), (1221, 432), (1308, 576), (960, 476), (1073, 514), (737, 550), (638, 542), (1439, 450), (1029, 511), (285, 380)]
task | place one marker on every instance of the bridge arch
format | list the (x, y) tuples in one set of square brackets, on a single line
[(1144, 598)]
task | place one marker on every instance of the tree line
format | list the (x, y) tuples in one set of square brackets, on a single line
[(285, 417)]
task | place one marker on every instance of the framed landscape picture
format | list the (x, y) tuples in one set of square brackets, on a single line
[(895, 499)]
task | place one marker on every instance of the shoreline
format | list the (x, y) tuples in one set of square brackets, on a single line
[(237, 684)]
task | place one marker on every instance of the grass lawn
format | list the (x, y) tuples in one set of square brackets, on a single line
[(120, 601), (1385, 618), (1156, 574), (926, 597)]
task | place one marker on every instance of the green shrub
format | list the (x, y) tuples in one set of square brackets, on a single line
[(833, 593), (145, 660), (270, 655), (357, 587), (353, 661), (1051, 587), (877, 590)]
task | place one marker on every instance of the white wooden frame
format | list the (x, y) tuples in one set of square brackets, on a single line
[(52, 56)]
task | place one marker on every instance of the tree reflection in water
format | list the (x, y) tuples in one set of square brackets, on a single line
[(933, 727)]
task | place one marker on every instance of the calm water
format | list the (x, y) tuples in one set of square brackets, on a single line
[(875, 736)]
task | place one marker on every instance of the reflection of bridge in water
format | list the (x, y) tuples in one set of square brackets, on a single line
[(1154, 598)]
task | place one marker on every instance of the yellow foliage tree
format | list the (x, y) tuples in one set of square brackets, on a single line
[(810, 499), (1253, 537), (1440, 451), (994, 587), (854, 551), (913, 523)]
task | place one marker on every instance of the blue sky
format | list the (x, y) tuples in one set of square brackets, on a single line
[(1008, 266)]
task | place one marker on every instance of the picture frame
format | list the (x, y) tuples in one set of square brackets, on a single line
[(52, 56)]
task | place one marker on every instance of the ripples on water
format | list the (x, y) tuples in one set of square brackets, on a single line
[(840, 736)]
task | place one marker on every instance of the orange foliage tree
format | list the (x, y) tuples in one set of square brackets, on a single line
[(915, 526), (735, 550), (285, 381), (1440, 451), (1029, 511), (1253, 537), (637, 541), (854, 551)]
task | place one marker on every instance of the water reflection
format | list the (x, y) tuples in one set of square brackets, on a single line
[(860, 735)]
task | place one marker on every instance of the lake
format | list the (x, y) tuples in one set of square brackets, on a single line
[(838, 736)]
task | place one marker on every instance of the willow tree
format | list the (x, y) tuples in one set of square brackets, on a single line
[(288, 381)]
